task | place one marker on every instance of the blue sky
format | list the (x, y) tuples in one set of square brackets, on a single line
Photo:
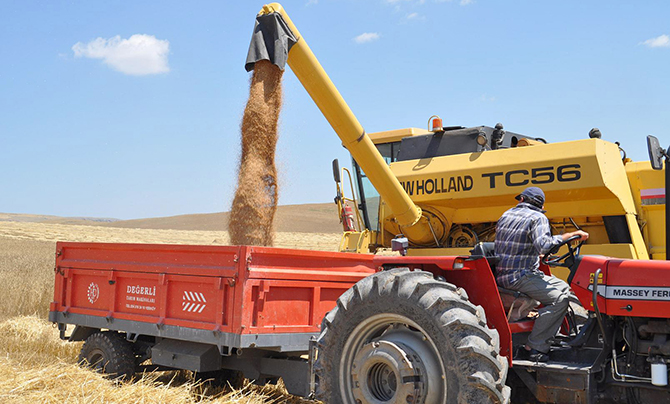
[(132, 109)]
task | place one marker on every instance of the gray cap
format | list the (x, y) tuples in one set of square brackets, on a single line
[(532, 195)]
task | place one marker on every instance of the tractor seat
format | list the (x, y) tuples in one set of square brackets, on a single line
[(517, 304), (487, 250), (514, 293)]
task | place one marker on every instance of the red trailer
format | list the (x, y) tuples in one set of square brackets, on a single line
[(206, 298)]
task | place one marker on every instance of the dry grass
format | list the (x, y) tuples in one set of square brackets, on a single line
[(36, 366), (63, 232), (26, 277)]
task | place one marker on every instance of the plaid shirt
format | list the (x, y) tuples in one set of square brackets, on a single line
[(522, 234)]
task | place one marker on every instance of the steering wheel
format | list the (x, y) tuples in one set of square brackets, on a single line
[(562, 261)]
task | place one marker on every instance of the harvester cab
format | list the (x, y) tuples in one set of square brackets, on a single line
[(356, 233)]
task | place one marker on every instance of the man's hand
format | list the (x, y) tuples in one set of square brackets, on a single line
[(582, 234)]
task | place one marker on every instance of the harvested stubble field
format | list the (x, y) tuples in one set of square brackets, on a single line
[(35, 366)]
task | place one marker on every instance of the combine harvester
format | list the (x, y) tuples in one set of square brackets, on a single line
[(425, 326)]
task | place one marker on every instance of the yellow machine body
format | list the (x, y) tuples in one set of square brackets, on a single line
[(648, 189), (587, 185)]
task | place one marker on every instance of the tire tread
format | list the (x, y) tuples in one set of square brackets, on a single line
[(121, 359), (482, 371)]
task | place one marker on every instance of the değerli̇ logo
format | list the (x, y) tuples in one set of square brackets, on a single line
[(93, 292), (141, 290)]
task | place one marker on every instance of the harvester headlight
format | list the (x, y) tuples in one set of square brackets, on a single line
[(481, 139)]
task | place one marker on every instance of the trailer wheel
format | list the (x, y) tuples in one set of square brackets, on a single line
[(400, 336), (221, 378), (109, 353)]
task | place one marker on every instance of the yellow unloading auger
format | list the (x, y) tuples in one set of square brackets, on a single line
[(276, 39)]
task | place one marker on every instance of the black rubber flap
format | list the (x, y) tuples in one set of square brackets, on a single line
[(272, 39)]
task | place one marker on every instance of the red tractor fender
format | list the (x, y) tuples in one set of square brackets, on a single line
[(475, 277), (636, 288), (582, 282)]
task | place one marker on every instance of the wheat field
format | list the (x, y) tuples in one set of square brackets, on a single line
[(36, 366)]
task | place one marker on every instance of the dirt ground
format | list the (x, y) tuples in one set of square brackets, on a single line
[(35, 366)]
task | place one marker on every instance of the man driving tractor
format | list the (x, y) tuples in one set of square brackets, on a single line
[(522, 235)]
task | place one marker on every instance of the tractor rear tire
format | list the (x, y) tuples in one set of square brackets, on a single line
[(109, 353), (401, 336)]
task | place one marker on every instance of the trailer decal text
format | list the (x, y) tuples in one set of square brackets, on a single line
[(142, 297), (141, 290)]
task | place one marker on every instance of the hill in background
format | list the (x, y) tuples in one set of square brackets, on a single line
[(308, 218), (31, 218)]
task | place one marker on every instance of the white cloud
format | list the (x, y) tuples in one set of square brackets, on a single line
[(138, 55), (419, 2), (367, 37), (414, 17), (312, 2), (487, 98), (461, 2), (662, 41)]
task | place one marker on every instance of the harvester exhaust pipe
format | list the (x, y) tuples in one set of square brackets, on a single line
[(277, 39)]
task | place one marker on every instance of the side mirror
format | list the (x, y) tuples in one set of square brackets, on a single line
[(336, 171), (656, 152)]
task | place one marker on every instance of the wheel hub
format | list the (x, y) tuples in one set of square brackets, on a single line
[(96, 360), (388, 372)]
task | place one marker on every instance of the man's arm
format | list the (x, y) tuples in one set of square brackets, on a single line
[(543, 240), (541, 235), (583, 235)]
